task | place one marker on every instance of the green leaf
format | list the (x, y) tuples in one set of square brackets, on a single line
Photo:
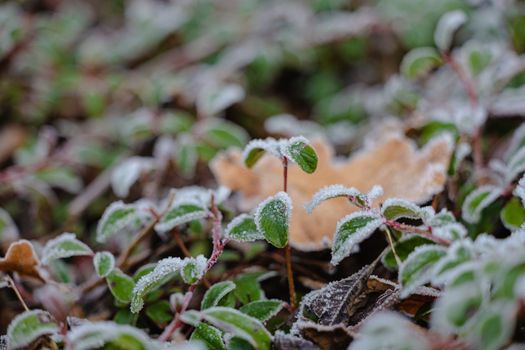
[(255, 149), (181, 213), (8, 229), (223, 134), (448, 24), (394, 208), (416, 270), (115, 218), (209, 335), (236, 343), (29, 326), (403, 249), (120, 285), (494, 326), (186, 156), (272, 218), (160, 312), (62, 178), (513, 214), (262, 310), (248, 286), (298, 150), (64, 246), (165, 270), (215, 293), (193, 269), (419, 62), (478, 200), (243, 326), (352, 230), (243, 229), (104, 263)]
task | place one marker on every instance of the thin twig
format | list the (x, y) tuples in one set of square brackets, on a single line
[(13, 286), (288, 249)]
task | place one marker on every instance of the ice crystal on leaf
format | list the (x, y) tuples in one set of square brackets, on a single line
[(272, 218), (64, 246), (128, 172)]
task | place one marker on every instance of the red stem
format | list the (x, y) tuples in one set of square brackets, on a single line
[(288, 249)]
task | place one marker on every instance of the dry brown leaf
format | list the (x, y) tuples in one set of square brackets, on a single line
[(21, 258), (393, 161)]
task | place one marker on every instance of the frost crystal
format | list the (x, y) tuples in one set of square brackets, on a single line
[(447, 25), (118, 216), (248, 234), (128, 172), (329, 192), (395, 208), (375, 192), (269, 145), (181, 212), (284, 146), (280, 196), (64, 246)]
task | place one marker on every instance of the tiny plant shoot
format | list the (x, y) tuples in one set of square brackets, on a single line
[(273, 215)]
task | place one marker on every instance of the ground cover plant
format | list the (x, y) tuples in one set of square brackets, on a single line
[(247, 174)]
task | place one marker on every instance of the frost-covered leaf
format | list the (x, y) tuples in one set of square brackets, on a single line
[(299, 150), (238, 324), (209, 335), (128, 172), (416, 270), (190, 269), (513, 214), (448, 24), (283, 341), (225, 134), (336, 302), (395, 208), (216, 293), (262, 310), (419, 62), (95, 335), (193, 269), (243, 229), (456, 307), (28, 326), (248, 288), (120, 285), (8, 229), (458, 253), (494, 327), (478, 200), (255, 149), (388, 330), (329, 192), (272, 218), (403, 248), (450, 232), (352, 230), (181, 213), (216, 98), (64, 246), (186, 156), (116, 217), (104, 263), (60, 177), (516, 165), (22, 259), (520, 190)]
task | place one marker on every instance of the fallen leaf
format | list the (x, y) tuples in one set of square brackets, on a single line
[(22, 259), (327, 337), (392, 161)]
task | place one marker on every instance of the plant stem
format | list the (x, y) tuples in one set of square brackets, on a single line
[(427, 233), (288, 249), (218, 248), (15, 289), (391, 243)]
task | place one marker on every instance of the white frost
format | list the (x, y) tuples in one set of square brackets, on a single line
[(128, 172), (54, 248), (328, 192)]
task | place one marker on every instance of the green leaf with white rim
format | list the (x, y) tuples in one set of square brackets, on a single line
[(238, 324), (243, 229), (120, 285), (352, 230), (416, 270), (193, 269), (494, 326), (225, 134), (478, 200), (299, 151), (272, 218), (116, 217), (104, 263), (209, 335), (513, 214), (262, 310), (448, 24), (255, 149), (64, 246), (186, 157), (29, 326), (181, 213), (403, 248), (216, 293), (395, 208), (419, 62)]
